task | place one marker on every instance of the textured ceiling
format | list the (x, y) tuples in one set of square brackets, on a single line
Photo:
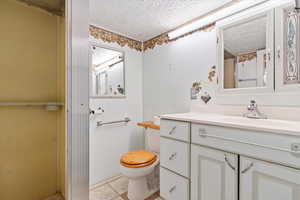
[(145, 19), (247, 37), (53, 6)]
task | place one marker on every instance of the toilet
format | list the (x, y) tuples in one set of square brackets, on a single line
[(139, 166)]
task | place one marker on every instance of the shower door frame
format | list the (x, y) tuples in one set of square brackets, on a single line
[(77, 100)]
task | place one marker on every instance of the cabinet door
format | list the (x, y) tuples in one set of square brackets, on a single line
[(287, 41), (213, 174), (265, 181), (173, 186)]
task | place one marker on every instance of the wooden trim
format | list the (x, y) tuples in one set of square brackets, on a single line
[(149, 124)]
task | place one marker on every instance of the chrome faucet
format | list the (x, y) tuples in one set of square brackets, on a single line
[(253, 111)]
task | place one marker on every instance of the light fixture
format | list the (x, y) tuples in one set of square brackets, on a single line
[(213, 17), (110, 62)]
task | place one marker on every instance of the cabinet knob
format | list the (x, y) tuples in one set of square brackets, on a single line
[(269, 55), (278, 53)]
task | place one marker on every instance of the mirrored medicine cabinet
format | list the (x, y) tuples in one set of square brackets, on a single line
[(258, 52), (107, 72)]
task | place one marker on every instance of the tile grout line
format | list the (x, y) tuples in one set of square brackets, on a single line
[(119, 196), (109, 184), (111, 187)]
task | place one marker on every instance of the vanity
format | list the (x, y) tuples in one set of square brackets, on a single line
[(206, 156), (219, 157)]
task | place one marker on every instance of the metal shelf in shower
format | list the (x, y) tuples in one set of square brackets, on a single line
[(50, 106)]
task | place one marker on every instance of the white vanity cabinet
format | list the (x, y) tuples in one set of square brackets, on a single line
[(175, 160), (263, 181), (205, 160), (214, 174)]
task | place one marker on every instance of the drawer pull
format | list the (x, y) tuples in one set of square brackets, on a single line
[(172, 156), (228, 163), (247, 168), (172, 189), (172, 130)]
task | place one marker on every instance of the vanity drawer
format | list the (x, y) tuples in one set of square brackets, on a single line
[(174, 155), (267, 146), (173, 186), (175, 129)]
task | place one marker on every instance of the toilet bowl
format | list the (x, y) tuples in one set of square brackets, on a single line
[(139, 165), (137, 175)]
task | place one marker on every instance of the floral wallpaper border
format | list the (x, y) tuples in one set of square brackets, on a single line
[(159, 40), (247, 57), (108, 36), (111, 37)]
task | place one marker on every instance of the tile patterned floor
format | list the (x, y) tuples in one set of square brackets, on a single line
[(116, 189)]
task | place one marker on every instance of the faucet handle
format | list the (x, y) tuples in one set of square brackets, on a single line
[(253, 102), (252, 106)]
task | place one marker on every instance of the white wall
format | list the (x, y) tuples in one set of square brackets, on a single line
[(169, 71), (108, 143)]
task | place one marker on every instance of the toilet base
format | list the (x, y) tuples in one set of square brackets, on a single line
[(138, 188)]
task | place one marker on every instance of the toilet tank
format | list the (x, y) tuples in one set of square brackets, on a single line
[(152, 137)]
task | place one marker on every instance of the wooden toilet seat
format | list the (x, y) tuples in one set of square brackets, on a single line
[(137, 159)]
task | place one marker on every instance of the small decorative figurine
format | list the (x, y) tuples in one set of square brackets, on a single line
[(206, 97)]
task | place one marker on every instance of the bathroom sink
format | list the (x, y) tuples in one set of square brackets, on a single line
[(259, 124), (269, 125), (256, 122)]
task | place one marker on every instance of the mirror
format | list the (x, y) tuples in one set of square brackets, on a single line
[(107, 72), (245, 55)]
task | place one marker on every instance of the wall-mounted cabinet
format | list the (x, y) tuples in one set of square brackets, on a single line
[(287, 54), (258, 54), (248, 41)]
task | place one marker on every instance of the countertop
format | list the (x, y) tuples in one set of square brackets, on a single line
[(265, 125)]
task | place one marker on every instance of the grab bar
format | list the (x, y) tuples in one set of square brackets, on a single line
[(125, 120)]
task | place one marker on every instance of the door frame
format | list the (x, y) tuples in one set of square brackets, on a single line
[(77, 100)]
